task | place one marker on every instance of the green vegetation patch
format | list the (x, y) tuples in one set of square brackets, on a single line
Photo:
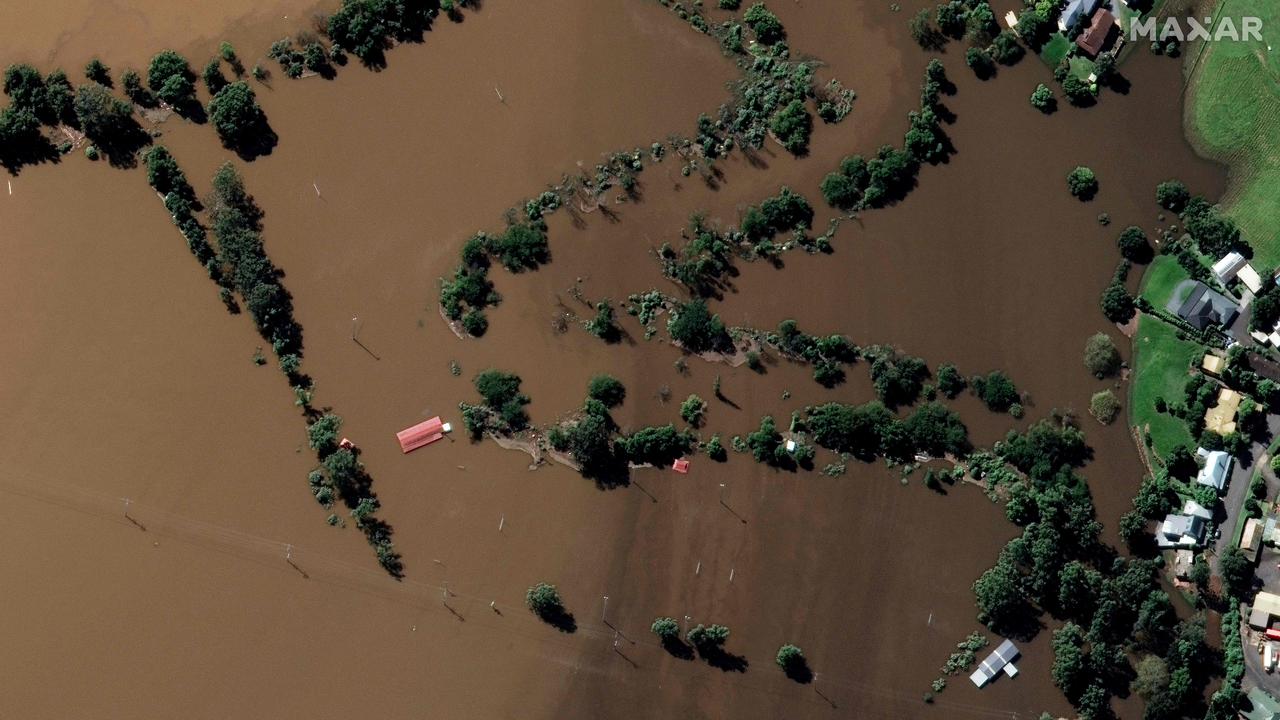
[(1235, 97), (1161, 362), (1055, 50)]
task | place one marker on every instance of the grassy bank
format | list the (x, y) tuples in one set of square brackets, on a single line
[(1233, 100), (1161, 363)]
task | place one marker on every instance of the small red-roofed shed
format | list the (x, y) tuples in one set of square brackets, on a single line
[(424, 433), (681, 466)]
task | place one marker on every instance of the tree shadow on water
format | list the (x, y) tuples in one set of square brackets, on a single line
[(721, 659)]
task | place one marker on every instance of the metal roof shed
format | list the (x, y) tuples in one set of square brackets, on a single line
[(424, 433)]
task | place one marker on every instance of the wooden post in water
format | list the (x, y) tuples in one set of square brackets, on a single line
[(354, 320), (500, 98), (604, 608)]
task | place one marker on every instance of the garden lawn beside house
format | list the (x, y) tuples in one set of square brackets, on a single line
[(1161, 368)]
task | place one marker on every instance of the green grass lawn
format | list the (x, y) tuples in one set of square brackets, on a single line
[(1081, 67), (1232, 111), (1160, 279), (1056, 49), (1161, 363)]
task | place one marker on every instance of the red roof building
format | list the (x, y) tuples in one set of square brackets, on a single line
[(681, 466), (1095, 36), (424, 433)]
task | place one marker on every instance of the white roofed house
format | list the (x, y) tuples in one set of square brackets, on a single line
[(1233, 265), (1216, 470), (1000, 659)]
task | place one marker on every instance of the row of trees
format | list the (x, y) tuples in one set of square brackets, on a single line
[(523, 246), (888, 176)]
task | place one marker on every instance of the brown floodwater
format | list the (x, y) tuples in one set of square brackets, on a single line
[(989, 264)]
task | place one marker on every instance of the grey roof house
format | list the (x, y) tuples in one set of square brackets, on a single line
[(1205, 307), (1000, 659)]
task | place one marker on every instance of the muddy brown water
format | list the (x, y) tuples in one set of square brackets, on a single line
[(130, 380)]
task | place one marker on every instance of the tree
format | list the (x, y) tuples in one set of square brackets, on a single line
[(898, 379), (655, 445), (950, 382), (792, 126), (1101, 356), (999, 595), (667, 630), (133, 89), (170, 78), (1006, 49), (995, 390), (97, 72), (1133, 245), (322, 435), (1042, 99), (839, 191), (937, 430), (544, 600), (950, 15), (1033, 27), (924, 32), (692, 409), (236, 116), (1237, 572), (1082, 183), (501, 393), (980, 62), (696, 328), (1117, 303), (108, 122), (1172, 195), (764, 24), (980, 24), (588, 441), (603, 324), (522, 247), (707, 638), (213, 77), (849, 429), (607, 389), (1104, 406), (1077, 91), (1069, 672), (791, 659)]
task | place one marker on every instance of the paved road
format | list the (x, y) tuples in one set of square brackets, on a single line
[(1241, 474)]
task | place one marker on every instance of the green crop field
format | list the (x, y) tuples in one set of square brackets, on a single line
[(1232, 110)]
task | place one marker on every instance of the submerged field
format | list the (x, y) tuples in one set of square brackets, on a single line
[(377, 181)]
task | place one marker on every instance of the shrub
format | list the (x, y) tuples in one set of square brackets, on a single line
[(950, 382), (692, 410), (1101, 356), (1104, 406), (606, 389), (1082, 183)]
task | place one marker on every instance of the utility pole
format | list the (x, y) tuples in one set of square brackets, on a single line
[(604, 609), (354, 320)]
